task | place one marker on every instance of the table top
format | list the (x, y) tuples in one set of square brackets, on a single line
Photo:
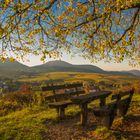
[(90, 97)]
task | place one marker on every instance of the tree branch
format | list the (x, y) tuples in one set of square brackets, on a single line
[(129, 28)]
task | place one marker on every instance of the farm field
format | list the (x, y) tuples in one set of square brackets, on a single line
[(23, 119), (78, 76)]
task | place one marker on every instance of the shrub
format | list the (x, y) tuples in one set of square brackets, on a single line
[(102, 133)]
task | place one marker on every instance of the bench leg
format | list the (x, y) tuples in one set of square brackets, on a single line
[(106, 116), (84, 114), (107, 121), (61, 113), (121, 112), (102, 102), (123, 108)]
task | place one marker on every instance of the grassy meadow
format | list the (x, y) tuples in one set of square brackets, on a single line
[(26, 116)]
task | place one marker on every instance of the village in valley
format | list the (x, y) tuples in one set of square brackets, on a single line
[(8, 85)]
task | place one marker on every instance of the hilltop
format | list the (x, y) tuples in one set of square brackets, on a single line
[(62, 66)]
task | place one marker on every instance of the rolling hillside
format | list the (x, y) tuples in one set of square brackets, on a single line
[(13, 69), (135, 72), (16, 69)]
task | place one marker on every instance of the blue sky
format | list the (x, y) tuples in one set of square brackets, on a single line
[(35, 60)]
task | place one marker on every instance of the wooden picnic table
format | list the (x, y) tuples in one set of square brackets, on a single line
[(83, 100)]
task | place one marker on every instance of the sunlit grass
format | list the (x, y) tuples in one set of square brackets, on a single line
[(27, 124)]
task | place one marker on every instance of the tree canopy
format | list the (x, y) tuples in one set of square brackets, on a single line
[(96, 29)]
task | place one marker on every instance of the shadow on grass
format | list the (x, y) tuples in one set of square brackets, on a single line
[(131, 134), (133, 118)]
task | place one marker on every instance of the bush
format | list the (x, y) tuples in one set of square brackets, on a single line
[(19, 98), (102, 133)]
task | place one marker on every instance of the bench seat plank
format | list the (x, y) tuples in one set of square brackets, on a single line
[(105, 110), (106, 114), (60, 104)]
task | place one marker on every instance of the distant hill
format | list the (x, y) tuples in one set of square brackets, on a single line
[(16, 69), (62, 66), (13, 69), (13, 66), (135, 72)]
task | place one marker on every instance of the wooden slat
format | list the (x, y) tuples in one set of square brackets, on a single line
[(36, 89), (53, 87), (60, 104), (76, 92), (121, 94), (89, 97), (75, 85), (50, 97), (64, 95), (64, 86)]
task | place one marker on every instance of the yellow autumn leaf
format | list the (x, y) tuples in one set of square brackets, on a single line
[(11, 59)]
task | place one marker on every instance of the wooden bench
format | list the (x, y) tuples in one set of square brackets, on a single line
[(119, 107), (60, 100)]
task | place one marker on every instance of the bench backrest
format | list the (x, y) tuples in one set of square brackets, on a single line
[(126, 94), (123, 100), (63, 86), (64, 92)]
